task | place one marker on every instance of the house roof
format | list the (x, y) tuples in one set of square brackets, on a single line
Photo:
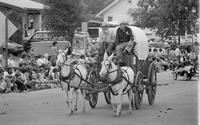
[(107, 7), (23, 4)]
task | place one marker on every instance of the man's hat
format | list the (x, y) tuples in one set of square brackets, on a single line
[(123, 22)]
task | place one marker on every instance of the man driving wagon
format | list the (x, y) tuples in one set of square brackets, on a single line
[(123, 41)]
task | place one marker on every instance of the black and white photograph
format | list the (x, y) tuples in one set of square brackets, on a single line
[(99, 62)]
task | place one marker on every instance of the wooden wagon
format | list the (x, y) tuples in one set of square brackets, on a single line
[(144, 68)]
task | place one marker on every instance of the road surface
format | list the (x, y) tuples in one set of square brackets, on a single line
[(176, 104)]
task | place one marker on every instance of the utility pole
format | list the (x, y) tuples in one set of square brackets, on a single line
[(6, 35), (6, 38)]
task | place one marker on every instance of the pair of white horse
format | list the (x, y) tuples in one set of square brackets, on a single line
[(109, 70)]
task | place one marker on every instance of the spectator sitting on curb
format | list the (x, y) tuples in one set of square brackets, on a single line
[(34, 80), (3, 84), (20, 82), (39, 60), (45, 60), (9, 77), (44, 65)]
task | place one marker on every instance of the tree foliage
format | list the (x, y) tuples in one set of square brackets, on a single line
[(169, 17), (62, 17), (89, 7)]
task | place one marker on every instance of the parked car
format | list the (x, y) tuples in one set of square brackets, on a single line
[(13, 47), (41, 42)]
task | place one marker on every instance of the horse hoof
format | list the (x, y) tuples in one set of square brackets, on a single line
[(67, 102), (130, 112), (76, 109), (83, 110), (117, 115), (70, 113)]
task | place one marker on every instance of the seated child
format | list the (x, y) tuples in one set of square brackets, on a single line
[(20, 82), (3, 84), (9, 77)]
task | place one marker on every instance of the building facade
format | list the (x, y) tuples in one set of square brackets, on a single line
[(119, 10), (30, 12)]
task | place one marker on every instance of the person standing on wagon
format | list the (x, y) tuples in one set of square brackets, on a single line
[(55, 50), (106, 40), (124, 40)]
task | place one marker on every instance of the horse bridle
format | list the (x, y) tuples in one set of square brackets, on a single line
[(108, 67)]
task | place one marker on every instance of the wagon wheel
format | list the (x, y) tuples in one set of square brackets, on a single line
[(93, 77), (93, 98), (152, 82), (174, 76), (138, 95), (107, 96)]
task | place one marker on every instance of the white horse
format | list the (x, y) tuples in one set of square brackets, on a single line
[(75, 77), (110, 71), (79, 80)]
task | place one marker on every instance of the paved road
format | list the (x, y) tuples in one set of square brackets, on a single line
[(176, 104)]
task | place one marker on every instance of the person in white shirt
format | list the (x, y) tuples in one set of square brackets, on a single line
[(106, 40), (39, 60), (177, 52), (45, 59)]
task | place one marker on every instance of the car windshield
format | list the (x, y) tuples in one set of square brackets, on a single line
[(42, 36)]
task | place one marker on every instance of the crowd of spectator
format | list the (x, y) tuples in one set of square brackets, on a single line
[(175, 55), (25, 73)]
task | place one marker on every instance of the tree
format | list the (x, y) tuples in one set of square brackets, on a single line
[(169, 17), (62, 17)]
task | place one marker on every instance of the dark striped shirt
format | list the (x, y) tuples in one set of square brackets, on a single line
[(123, 35)]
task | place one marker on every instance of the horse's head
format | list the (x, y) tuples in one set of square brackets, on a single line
[(106, 65)]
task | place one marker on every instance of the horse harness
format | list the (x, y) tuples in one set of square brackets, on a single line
[(80, 76), (119, 77)]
